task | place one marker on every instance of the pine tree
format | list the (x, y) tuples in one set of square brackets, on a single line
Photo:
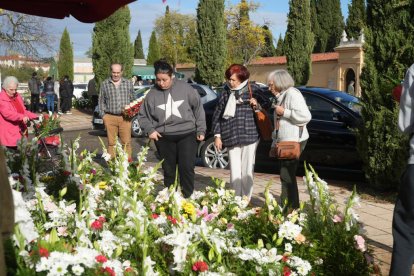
[(211, 46), (331, 25), (153, 49), (356, 18), (279, 51), (138, 49), (299, 41), (269, 48), (65, 62), (315, 24), (111, 44), (388, 52)]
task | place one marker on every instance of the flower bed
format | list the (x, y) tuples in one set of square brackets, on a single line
[(88, 220)]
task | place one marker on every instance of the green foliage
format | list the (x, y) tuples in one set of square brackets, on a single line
[(23, 74), (153, 49), (299, 41), (211, 50), (65, 62), (138, 49), (357, 17), (389, 51), (330, 25), (269, 48), (245, 40), (279, 51), (111, 44), (175, 32)]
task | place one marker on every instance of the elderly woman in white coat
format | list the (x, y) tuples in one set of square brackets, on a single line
[(293, 114)]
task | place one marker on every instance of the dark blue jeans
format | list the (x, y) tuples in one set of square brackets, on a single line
[(50, 102)]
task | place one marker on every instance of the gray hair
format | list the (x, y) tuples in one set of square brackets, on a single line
[(281, 79), (9, 80)]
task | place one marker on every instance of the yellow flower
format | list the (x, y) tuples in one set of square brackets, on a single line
[(162, 209), (223, 221), (185, 216), (101, 185), (189, 208)]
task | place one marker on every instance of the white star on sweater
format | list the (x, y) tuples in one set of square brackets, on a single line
[(171, 107)]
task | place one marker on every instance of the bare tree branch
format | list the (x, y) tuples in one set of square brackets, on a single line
[(24, 34)]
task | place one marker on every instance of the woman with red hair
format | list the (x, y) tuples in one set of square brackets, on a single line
[(13, 114), (234, 126)]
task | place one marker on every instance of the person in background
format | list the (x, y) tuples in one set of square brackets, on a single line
[(56, 88), (351, 89), (293, 115), (116, 93), (403, 219), (234, 126), (66, 93), (49, 89), (173, 117), (6, 210), (34, 88), (93, 92), (13, 114)]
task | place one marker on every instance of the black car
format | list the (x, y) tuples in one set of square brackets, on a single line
[(331, 143), (207, 95)]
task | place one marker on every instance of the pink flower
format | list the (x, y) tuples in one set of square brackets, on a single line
[(155, 216), (337, 218), (101, 259), (93, 171), (62, 231), (360, 243), (102, 219), (110, 271), (204, 213), (97, 225), (200, 266)]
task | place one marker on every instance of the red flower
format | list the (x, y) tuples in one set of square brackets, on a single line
[(101, 259), (286, 271), (172, 219), (102, 219), (66, 173), (97, 225), (155, 216), (43, 252), (129, 269), (285, 258), (130, 160), (110, 271), (200, 266)]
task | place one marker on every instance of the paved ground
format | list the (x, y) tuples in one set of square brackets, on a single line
[(377, 217)]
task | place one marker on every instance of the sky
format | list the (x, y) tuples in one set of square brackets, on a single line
[(144, 13)]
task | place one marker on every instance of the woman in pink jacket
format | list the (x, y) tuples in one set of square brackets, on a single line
[(13, 114)]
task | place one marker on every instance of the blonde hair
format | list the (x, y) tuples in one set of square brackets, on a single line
[(281, 79)]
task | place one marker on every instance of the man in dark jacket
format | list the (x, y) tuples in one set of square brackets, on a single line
[(93, 93), (66, 93), (34, 88)]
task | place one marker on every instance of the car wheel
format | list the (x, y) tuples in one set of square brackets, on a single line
[(212, 158), (136, 129)]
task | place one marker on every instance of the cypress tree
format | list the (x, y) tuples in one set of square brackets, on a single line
[(315, 24), (269, 48), (388, 52), (153, 49), (138, 49), (331, 25), (211, 46), (65, 62), (111, 44), (356, 18), (279, 51), (299, 41)]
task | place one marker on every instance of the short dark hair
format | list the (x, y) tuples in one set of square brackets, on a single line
[(241, 72), (34, 74), (163, 67)]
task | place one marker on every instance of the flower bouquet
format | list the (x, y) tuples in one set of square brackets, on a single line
[(45, 124), (132, 109)]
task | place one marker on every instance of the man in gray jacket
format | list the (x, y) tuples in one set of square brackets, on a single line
[(403, 220), (34, 88)]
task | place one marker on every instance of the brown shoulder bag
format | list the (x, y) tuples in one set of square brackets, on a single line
[(262, 119)]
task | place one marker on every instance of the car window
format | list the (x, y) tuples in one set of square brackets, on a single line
[(200, 90), (321, 109), (206, 93)]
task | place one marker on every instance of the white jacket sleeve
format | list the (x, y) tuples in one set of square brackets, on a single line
[(296, 110), (406, 115)]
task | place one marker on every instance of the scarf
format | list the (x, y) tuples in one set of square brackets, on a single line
[(230, 109)]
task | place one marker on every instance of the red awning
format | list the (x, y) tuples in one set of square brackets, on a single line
[(87, 11)]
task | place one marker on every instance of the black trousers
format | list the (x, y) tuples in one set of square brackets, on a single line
[(290, 190), (178, 150), (66, 104), (34, 103), (403, 226)]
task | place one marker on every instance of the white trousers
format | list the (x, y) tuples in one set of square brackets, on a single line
[(242, 160)]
